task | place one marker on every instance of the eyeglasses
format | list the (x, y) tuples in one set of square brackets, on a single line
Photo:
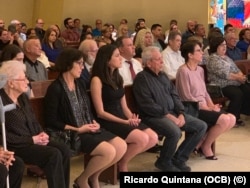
[(223, 44), (198, 50), (157, 59), (80, 63), (21, 79)]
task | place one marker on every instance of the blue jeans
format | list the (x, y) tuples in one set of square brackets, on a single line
[(194, 128)]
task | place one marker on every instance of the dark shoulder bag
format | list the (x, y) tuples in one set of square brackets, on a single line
[(70, 138), (214, 91), (191, 108)]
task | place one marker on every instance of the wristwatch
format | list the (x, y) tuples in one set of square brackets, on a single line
[(181, 112)]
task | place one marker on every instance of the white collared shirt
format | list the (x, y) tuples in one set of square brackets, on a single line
[(172, 61), (87, 66), (125, 71)]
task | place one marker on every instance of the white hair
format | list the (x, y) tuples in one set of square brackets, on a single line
[(11, 69)]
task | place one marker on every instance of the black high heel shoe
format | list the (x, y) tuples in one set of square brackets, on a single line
[(90, 184), (75, 185), (212, 157), (198, 151)]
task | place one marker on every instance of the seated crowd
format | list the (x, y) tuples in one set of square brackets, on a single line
[(86, 103)]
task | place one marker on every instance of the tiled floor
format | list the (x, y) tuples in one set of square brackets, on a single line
[(232, 150)]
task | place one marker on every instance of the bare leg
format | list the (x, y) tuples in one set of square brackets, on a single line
[(222, 125), (120, 147), (137, 141), (201, 142), (153, 138), (102, 156)]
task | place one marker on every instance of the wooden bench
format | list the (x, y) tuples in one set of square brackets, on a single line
[(244, 66), (52, 74)]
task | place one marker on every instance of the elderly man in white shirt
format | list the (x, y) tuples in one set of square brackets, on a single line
[(130, 66), (172, 56)]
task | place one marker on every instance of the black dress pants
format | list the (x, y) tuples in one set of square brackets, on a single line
[(15, 174), (3, 175), (54, 159), (239, 97)]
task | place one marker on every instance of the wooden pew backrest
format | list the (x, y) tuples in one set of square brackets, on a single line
[(37, 106), (244, 66), (52, 74), (39, 88), (130, 99)]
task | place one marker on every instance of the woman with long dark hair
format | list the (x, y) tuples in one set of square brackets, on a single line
[(110, 104)]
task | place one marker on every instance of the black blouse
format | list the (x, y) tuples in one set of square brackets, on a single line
[(20, 123)]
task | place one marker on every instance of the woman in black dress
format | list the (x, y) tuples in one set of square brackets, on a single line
[(110, 104), (67, 107)]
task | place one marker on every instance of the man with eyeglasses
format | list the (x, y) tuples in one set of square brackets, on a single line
[(39, 28), (161, 108), (97, 31), (89, 48), (232, 51)]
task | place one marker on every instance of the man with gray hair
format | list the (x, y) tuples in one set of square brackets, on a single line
[(35, 70), (14, 30), (232, 51), (89, 49), (161, 109)]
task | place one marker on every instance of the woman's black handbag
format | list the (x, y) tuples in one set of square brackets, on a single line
[(214, 91), (70, 138), (191, 108)]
